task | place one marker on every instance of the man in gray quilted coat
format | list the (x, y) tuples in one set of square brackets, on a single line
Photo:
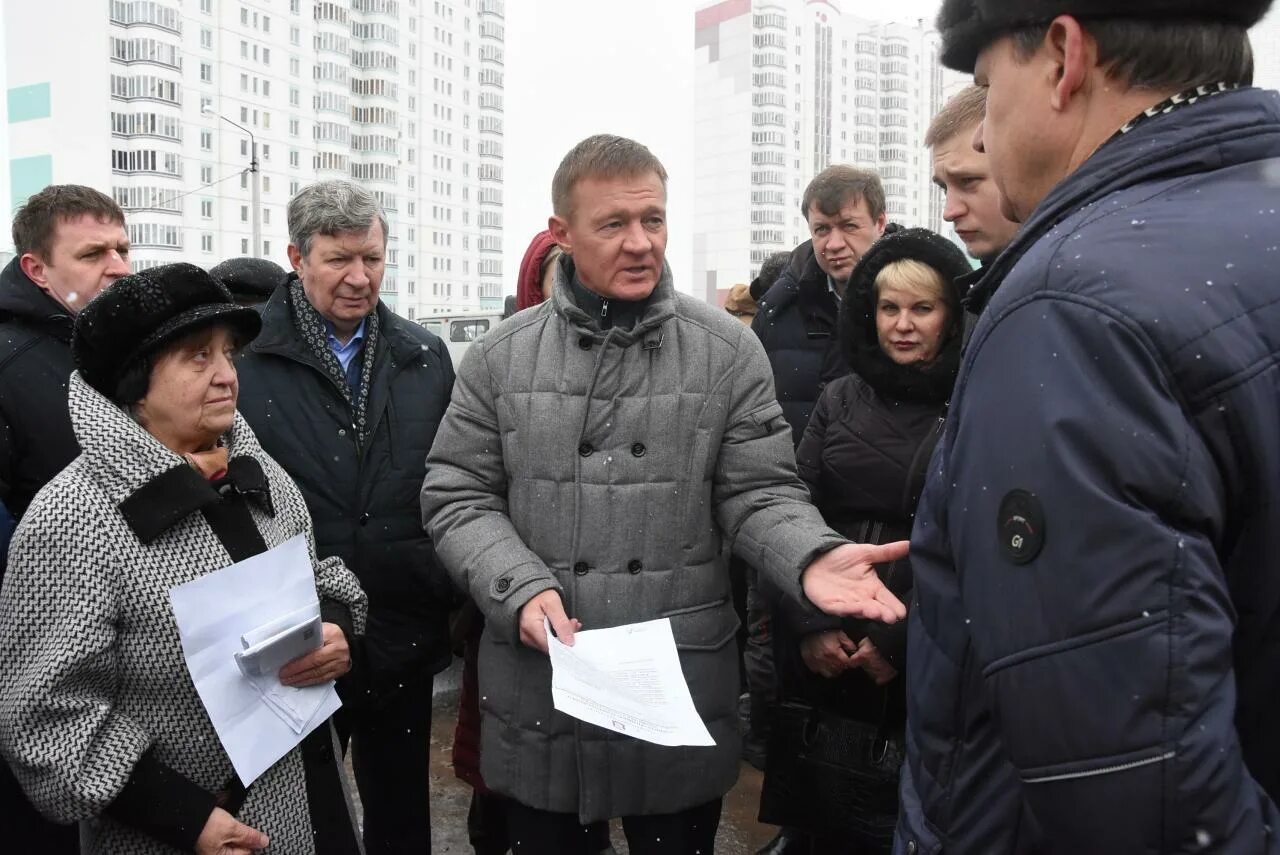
[(601, 455)]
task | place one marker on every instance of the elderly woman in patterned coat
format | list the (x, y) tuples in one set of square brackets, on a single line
[(98, 715)]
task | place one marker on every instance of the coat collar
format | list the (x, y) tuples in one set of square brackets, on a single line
[(153, 487), (1230, 128), (661, 307), (22, 299)]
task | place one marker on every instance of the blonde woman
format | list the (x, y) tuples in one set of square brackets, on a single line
[(863, 456)]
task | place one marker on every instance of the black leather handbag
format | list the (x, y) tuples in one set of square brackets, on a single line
[(832, 776)]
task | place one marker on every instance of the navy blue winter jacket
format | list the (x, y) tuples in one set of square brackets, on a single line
[(797, 326), (1095, 660)]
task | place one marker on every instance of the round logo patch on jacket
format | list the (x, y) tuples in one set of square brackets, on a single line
[(1020, 526)]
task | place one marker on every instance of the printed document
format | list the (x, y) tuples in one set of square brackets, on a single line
[(626, 679), (258, 719)]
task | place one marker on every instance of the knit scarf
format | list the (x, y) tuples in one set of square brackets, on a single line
[(310, 325)]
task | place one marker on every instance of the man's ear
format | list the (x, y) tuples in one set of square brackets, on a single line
[(881, 222), (559, 229), (1072, 53), (34, 267), (295, 259)]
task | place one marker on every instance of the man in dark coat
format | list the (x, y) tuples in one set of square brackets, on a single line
[(347, 397), (1095, 649), (796, 322), (70, 243)]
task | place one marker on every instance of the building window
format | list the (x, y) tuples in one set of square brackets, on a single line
[(206, 175), (206, 208), (206, 242), (206, 38), (206, 140), (244, 213), (206, 72), (244, 246)]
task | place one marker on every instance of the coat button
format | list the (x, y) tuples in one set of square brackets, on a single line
[(634, 566), (342, 431), (504, 585), (580, 569), (585, 342), (911, 847), (364, 519), (638, 449), (585, 449)]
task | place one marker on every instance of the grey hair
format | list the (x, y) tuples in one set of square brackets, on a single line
[(330, 208)]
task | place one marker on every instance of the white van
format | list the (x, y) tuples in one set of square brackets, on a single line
[(460, 331)]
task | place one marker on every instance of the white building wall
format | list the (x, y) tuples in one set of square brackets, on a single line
[(388, 92)]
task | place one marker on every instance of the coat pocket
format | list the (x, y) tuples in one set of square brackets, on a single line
[(709, 626)]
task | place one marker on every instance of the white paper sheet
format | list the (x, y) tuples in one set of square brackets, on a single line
[(213, 613), (626, 679)]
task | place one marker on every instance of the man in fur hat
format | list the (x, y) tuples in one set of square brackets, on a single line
[(1095, 653)]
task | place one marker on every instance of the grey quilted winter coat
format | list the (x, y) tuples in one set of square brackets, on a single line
[(95, 695), (618, 468)]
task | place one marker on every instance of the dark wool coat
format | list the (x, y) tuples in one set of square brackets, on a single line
[(1095, 648), (797, 322), (36, 440), (364, 500), (615, 467), (99, 718)]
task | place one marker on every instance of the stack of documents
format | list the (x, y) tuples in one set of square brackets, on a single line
[(254, 612), (270, 647)]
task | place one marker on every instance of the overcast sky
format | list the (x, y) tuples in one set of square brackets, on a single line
[(580, 67)]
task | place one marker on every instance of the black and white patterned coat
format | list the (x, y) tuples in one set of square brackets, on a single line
[(99, 718)]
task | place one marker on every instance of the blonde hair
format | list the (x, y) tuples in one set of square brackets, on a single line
[(961, 113), (914, 276)]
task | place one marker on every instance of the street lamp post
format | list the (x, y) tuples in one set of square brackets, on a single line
[(256, 181)]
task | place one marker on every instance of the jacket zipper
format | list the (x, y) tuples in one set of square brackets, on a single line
[(1108, 770)]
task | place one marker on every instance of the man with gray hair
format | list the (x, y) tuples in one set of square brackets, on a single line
[(347, 396), (602, 453)]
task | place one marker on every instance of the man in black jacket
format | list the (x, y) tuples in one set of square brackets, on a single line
[(844, 208), (347, 396), (71, 243)]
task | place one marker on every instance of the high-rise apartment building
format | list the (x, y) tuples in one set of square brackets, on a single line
[(164, 104), (786, 88)]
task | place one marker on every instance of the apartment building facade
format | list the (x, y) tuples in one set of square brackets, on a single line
[(786, 88), (168, 102)]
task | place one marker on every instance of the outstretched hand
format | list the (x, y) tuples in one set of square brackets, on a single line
[(843, 582)]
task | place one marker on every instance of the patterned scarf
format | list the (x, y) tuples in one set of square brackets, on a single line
[(1177, 102), (311, 326)]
